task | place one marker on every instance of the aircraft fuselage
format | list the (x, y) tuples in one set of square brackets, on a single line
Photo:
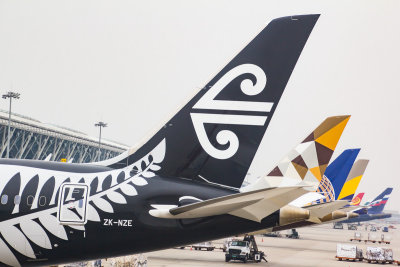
[(119, 224)]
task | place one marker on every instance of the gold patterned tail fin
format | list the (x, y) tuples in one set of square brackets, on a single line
[(308, 160)]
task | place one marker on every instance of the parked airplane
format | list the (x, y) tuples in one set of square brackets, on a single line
[(334, 180), (349, 187), (179, 187), (306, 163), (326, 206), (374, 210)]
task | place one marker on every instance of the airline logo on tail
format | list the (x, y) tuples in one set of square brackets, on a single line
[(357, 200), (353, 180), (335, 176), (208, 101), (325, 188), (380, 201), (378, 204), (216, 135), (308, 160)]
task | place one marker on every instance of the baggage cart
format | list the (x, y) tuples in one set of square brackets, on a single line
[(385, 239), (205, 245), (357, 237), (379, 255), (348, 252)]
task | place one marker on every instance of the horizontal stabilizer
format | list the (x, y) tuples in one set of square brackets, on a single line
[(252, 205), (306, 199), (320, 210)]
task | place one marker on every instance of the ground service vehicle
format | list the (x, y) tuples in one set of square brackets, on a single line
[(292, 234), (244, 250), (337, 226), (352, 227), (204, 245), (238, 250)]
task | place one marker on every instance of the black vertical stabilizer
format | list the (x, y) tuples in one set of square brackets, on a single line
[(217, 133)]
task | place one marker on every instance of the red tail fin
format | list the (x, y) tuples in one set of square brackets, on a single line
[(357, 199)]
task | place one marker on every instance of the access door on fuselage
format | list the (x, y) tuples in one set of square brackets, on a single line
[(72, 204)]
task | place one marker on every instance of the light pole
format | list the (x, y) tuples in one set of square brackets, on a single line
[(100, 124), (10, 95)]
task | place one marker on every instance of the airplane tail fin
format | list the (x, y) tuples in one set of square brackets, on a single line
[(356, 201), (336, 174), (378, 204), (307, 161), (353, 180), (215, 136)]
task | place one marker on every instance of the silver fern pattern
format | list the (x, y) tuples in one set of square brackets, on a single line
[(105, 188)]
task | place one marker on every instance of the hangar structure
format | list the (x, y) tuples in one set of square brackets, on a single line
[(32, 139)]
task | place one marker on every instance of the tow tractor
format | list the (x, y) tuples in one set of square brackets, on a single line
[(246, 250), (292, 234)]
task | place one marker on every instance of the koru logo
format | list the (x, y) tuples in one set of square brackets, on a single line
[(208, 101)]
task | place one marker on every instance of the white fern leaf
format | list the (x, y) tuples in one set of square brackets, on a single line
[(139, 181), (103, 204), (53, 226), (17, 240), (92, 213), (155, 167), (116, 197), (128, 190), (35, 233), (6, 255), (148, 174), (158, 152)]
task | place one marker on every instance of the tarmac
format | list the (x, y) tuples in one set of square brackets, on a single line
[(315, 247)]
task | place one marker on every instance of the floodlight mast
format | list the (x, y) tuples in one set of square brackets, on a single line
[(10, 95), (100, 124)]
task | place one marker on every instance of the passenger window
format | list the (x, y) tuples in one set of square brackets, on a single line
[(17, 199), (4, 199), (42, 201), (29, 200)]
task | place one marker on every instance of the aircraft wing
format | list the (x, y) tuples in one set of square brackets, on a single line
[(320, 210), (253, 205)]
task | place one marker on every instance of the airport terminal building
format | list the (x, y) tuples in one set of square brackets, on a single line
[(32, 139)]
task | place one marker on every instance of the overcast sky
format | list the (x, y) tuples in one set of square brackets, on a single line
[(129, 63)]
